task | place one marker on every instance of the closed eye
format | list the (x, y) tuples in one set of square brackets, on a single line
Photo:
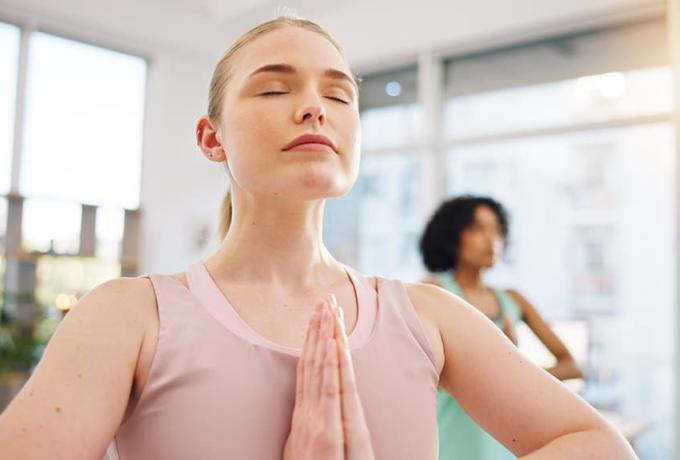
[(273, 93), (339, 99)]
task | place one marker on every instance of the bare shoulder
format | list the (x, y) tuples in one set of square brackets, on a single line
[(434, 306), (83, 382), (515, 294), (525, 306), (430, 299), (128, 298)]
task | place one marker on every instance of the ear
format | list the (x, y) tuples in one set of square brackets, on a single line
[(208, 140)]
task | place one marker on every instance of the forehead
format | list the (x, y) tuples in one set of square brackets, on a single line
[(484, 213), (304, 49)]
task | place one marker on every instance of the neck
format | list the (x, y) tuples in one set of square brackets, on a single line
[(469, 278), (280, 244)]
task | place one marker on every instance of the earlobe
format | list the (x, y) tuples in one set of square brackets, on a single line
[(208, 140), (217, 154)]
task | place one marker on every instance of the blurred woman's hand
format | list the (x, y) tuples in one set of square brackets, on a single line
[(509, 330)]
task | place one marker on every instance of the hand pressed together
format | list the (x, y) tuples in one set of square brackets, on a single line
[(328, 419)]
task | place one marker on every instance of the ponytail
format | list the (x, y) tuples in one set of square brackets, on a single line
[(225, 216)]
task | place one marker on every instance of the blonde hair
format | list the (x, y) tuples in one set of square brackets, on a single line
[(221, 76)]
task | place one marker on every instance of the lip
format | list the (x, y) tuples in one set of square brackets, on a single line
[(310, 142)]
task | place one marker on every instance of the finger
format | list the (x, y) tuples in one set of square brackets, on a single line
[(343, 339), (330, 397), (310, 346), (352, 411), (300, 374), (325, 332)]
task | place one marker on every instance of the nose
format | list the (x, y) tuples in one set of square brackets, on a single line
[(312, 110)]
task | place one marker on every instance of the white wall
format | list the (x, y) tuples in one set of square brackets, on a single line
[(181, 190)]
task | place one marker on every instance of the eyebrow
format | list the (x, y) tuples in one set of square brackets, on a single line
[(290, 70)]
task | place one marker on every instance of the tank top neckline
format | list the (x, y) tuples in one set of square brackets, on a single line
[(202, 285)]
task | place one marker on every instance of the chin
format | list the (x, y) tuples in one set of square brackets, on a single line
[(488, 263), (314, 183)]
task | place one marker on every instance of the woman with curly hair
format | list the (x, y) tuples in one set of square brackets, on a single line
[(461, 241)]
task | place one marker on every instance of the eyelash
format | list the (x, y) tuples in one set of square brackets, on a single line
[(277, 93)]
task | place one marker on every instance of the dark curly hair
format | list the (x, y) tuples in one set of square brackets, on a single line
[(441, 237)]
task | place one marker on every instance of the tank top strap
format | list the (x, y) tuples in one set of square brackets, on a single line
[(173, 302), (367, 299), (508, 305)]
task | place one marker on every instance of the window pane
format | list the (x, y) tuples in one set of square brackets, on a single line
[(3, 243), (390, 126), (389, 217), (71, 276), (51, 227), (3, 224), (376, 226), (109, 232), (390, 115), (9, 58), (589, 99), (596, 214), (84, 120)]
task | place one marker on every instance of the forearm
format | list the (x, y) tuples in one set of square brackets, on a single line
[(595, 444), (565, 369)]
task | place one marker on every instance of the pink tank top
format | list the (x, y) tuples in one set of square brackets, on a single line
[(218, 390)]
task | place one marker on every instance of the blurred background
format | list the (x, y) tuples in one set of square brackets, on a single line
[(563, 111)]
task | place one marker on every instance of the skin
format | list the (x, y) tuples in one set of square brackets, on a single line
[(479, 248), (99, 358)]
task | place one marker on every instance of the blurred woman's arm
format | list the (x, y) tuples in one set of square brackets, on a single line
[(565, 367), (518, 403)]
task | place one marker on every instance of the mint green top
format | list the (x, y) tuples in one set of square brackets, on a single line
[(460, 438)]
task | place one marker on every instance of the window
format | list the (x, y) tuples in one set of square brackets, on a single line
[(390, 115), (581, 152), (376, 226), (9, 61), (109, 233), (388, 216), (52, 227), (83, 125)]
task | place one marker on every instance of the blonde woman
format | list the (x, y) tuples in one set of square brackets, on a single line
[(246, 355)]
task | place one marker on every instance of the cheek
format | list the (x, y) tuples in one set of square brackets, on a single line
[(350, 132), (249, 130), (470, 242)]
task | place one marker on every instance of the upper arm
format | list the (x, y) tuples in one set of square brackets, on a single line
[(518, 403), (76, 398), (539, 327)]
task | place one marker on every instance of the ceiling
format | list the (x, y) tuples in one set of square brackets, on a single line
[(196, 27)]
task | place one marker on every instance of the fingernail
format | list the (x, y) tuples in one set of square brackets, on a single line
[(341, 312), (333, 301)]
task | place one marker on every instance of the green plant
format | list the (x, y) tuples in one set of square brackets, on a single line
[(20, 346)]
